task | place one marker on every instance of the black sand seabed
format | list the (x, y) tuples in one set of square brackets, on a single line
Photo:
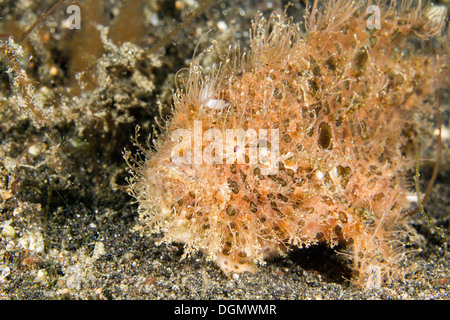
[(73, 232)]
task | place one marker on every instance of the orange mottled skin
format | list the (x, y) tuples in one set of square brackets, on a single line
[(343, 99)]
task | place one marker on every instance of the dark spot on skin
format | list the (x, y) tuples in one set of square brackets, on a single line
[(325, 136), (233, 186), (231, 211), (361, 59)]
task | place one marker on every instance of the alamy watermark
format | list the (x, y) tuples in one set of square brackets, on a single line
[(74, 20), (232, 146), (374, 20)]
